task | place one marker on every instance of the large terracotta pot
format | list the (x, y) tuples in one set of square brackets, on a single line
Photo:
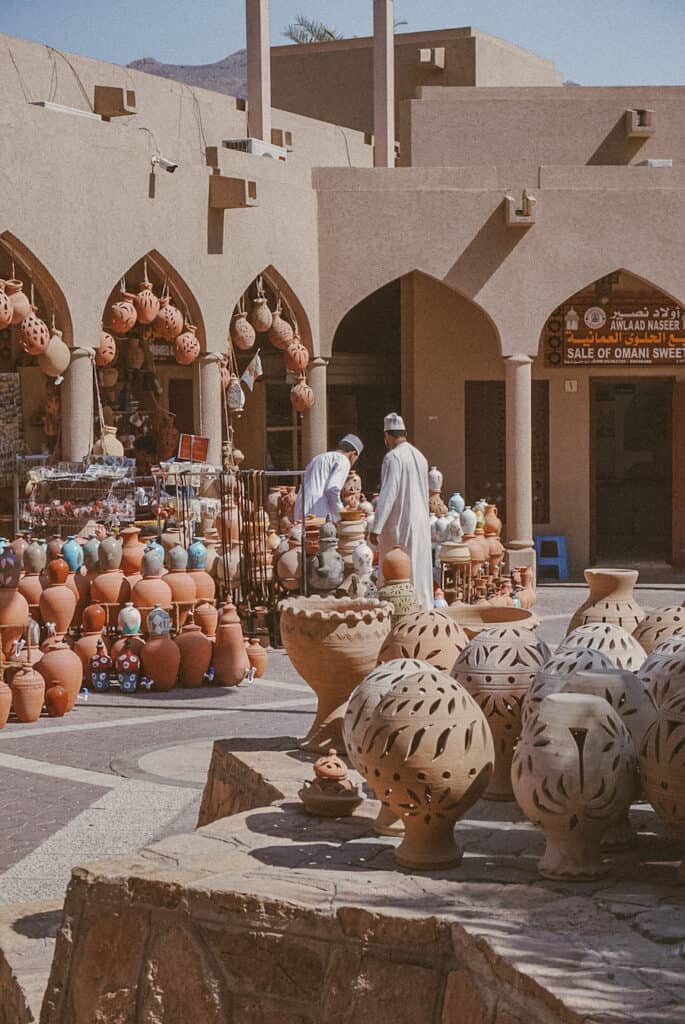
[(556, 671), (663, 672), (396, 565), (610, 599), (182, 587), (146, 303), (206, 616), (61, 666), (205, 587), (58, 601), (87, 647), (257, 656), (132, 551), (31, 588), (111, 589), (5, 703), (56, 701), (662, 766), (148, 592), (28, 694), (573, 774), (230, 659), (196, 655), (426, 635), (660, 624), (497, 668), (333, 643), (14, 617), (110, 554), (620, 647), (161, 660), (474, 618)]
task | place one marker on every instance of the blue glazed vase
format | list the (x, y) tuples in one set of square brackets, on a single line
[(152, 544), (197, 554), (457, 503), (72, 553)]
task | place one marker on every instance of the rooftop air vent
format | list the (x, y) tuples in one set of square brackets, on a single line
[(257, 147)]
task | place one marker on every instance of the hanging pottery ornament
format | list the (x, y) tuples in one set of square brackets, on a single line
[(169, 321), (235, 396), (281, 333), (106, 351), (261, 317), (6, 308), (225, 376), (296, 356), (146, 302), (21, 307), (56, 357), (242, 332), (187, 347), (124, 315), (34, 334), (301, 396)]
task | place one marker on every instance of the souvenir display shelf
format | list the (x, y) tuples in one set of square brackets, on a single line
[(64, 496)]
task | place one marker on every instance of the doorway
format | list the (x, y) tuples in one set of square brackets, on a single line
[(631, 431)]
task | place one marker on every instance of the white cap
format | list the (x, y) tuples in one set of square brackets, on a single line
[(393, 421), (354, 441)]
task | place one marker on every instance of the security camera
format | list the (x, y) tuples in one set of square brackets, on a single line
[(161, 161)]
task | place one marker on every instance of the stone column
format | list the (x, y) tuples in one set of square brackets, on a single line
[(384, 83), (209, 408), (519, 458), (258, 70), (77, 406), (315, 421)]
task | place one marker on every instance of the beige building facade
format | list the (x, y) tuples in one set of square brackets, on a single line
[(489, 285)]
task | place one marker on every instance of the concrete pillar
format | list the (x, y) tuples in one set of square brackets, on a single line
[(518, 374), (384, 83), (209, 403), (315, 422), (258, 70), (77, 406)]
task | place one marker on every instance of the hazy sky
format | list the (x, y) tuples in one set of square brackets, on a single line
[(594, 42)]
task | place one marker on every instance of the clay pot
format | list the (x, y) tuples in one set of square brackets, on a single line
[(296, 357), (206, 616), (620, 647), (161, 659), (658, 625), (526, 595), (112, 589), (87, 647), (152, 563), (301, 396), (663, 672), (281, 333), (58, 602), (109, 443), (168, 322), (21, 307), (14, 617), (61, 666), (34, 334), (556, 671), (610, 599), (129, 620), (54, 548), (662, 766), (357, 719), (94, 618), (428, 749), (497, 668), (134, 643), (110, 554), (146, 303), (106, 351), (34, 557), (257, 656), (182, 587), (474, 618), (132, 551), (576, 747), (10, 568), (396, 565), (5, 308), (56, 701), (196, 655), (242, 332), (492, 523), (205, 587), (228, 525), (72, 553), (5, 692), (123, 314), (57, 356), (333, 643), (428, 636), (402, 596), (261, 316), (148, 592), (187, 346), (230, 660), (28, 694)]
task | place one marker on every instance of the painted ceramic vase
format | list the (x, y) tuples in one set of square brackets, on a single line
[(257, 656), (662, 766), (34, 557), (129, 620), (127, 667), (498, 668), (5, 703), (110, 554), (152, 562), (91, 552), (610, 599), (574, 775), (469, 521), (620, 647), (206, 616), (663, 672), (427, 636), (660, 624), (429, 752), (132, 551), (100, 668), (196, 655), (554, 673), (158, 622), (457, 503), (333, 643), (28, 694), (61, 666), (161, 660), (10, 569), (58, 601), (197, 554), (72, 553), (358, 717)]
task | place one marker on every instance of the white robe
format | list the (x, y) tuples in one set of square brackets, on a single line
[(324, 478), (401, 515)]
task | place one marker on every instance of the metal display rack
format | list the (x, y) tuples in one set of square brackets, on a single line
[(63, 497)]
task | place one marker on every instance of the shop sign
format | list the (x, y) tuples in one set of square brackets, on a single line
[(627, 334), (193, 448)]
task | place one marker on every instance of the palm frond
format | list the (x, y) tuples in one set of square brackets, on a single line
[(309, 30)]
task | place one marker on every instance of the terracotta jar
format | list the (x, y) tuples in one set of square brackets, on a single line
[(228, 525), (396, 565), (123, 314), (429, 636), (94, 618), (56, 701), (61, 666), (620, 647), (110, 553), (333, 643), (230, 659), (110, 589), (5, 703), (161, 660), (54, 548), (106, 351), (109, 443), (148, 592), (28, 694), (280, 333), (187, 346), (556, 671), (610, 599), (492, 523), (296, 356), (34, 333), (261, 316), (21, 306), (660, 624), (662, 766), (146, 303), (182, 587), (498, 668), (5, 308), (576, 747), (34, 557), (14, 617), (527, 596), (206, 616), (19, 546), (196, 655), (243, 333), (168, 322), (205, 587), (132, 551), (57, 356), (663, 672), (257, 656), (58, 601)]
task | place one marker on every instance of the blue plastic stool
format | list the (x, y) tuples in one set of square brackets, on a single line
[(560, 560)]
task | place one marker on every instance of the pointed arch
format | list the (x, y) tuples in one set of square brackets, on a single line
[(277, 285), (51, 297)]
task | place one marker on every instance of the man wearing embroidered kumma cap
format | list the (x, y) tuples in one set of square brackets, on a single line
[(324, 479)]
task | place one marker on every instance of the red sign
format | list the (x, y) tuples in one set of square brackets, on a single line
[(193, 448)]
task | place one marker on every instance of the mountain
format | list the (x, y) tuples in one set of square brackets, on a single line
[(228, 75)]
